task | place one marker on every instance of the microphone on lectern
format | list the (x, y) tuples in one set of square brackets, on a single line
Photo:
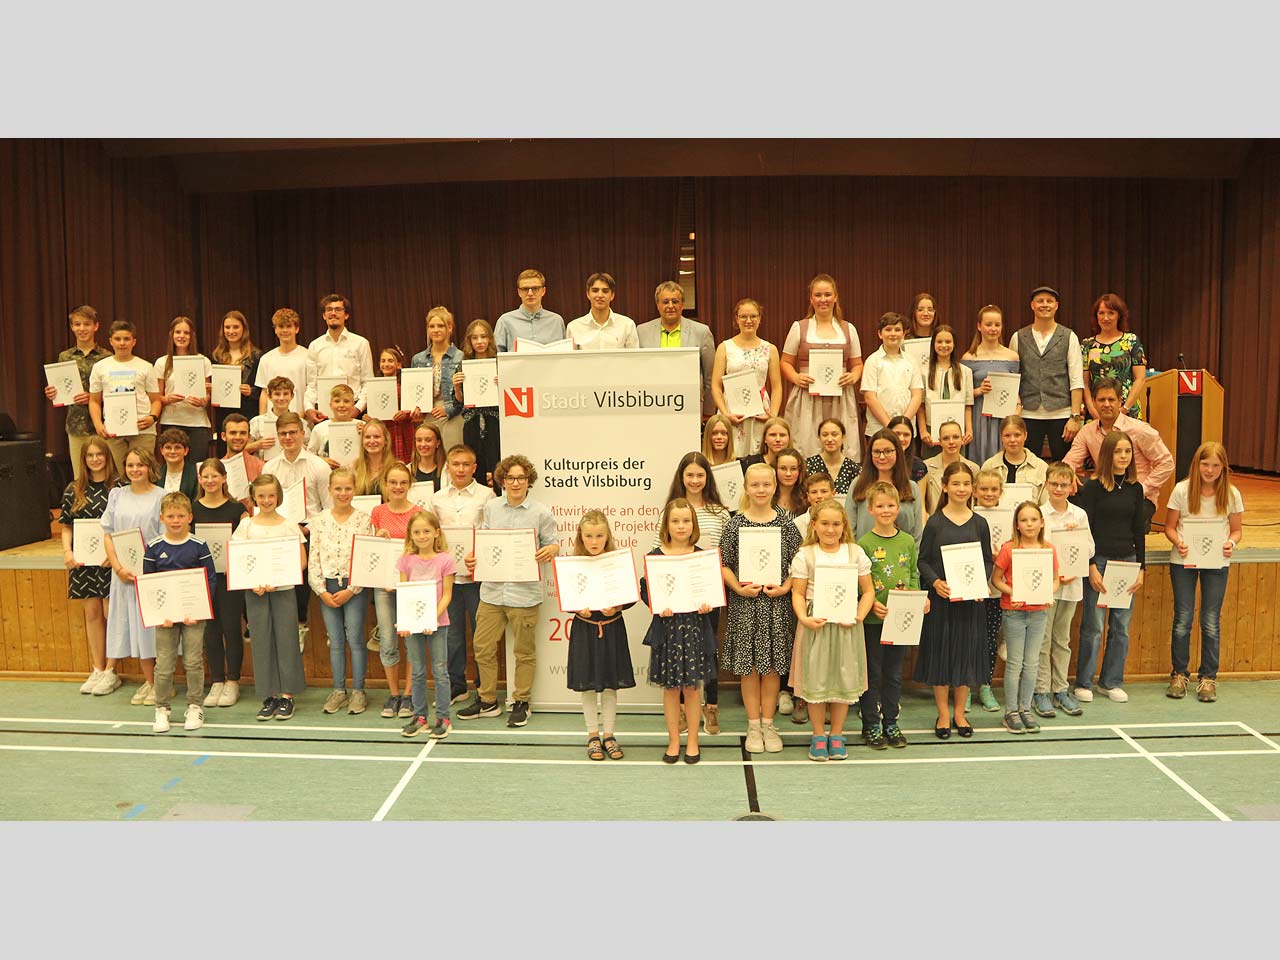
[(1181, 362)]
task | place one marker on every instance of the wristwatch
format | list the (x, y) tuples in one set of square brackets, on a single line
[(1078, 417)]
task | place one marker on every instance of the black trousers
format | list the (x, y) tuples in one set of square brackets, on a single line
[(881, 702), (1038, 430), (223, 635)]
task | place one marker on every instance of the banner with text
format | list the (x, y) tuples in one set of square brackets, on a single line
[(604, 430)]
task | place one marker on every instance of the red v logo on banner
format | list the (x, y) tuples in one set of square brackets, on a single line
[(518, 401), (1189, 383)]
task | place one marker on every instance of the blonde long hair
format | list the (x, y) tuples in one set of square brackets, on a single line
[(1222, 499), (826, 506), (595, 518)]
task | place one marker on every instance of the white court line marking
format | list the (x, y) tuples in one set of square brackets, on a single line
[(1269, 742), (253, 754), (394, 795), (1190, 790)]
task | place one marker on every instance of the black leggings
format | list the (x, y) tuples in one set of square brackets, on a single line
[(223, 636), (1038, 430)]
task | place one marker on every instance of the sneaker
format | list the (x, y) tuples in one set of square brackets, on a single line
[(480, 709), (800, 714), (230, 694), (1207, 690), (893, 734), (268, 709), (520, 711), (711, 717), (1115, 694), (772, 742), (391, 708), (284, 708), (406, 707), (215, 692), (336, 700), (755, 738), (162, 720), (1013, 723), (873, 737), (458, 694), (1029, 722), (194, 719), (107, 683), (441, 729), (1083, 694), (414, 727), (89, 684), (1177, 687), (786, 703), (142, 693), (373, 643), (818, 749), (988, 699), (304, 631), (1042, 703), (1065, 702), (837, 749), (359, 702)]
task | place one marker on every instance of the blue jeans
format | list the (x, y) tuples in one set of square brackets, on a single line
[(345, 626), (384, 606), (1213, 587), (1112, 674), (416, 644), (1023, 635), (462, 607)]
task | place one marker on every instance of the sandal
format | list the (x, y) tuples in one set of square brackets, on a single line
[(611, 747), (594, 749)]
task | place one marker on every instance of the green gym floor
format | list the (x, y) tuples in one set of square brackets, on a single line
[(65, 756)]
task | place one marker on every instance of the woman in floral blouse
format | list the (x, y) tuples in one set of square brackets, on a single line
[(1113, 351)]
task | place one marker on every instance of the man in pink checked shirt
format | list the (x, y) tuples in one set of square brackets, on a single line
[(1151, 458)]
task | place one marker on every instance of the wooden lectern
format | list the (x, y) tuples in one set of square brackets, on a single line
[(1186, 407)]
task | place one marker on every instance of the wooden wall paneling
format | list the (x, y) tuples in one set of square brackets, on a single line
[(11, 652), (1264, 620), (1245, 625), (54, 644), (1161, 646), (27, 621)]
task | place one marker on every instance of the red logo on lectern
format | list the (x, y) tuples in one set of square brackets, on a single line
[(1190, 383), (517, 401)]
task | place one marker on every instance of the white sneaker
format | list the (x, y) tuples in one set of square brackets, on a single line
[(141, 695), (772, 742), (1083, 694), (107, 683), (755, 738), (230, 694), (303, 631), (88, 685), (194, 719), (785, 703), (215, 692), (1116, 694), (162, 720)]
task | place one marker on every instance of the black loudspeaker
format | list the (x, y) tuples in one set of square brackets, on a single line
[(24, 518), (7, 427)]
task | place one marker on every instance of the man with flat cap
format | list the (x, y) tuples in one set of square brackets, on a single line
[(1052, 368)]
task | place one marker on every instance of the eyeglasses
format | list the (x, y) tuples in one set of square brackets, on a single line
[(883, 453), (528, 289), (511, 479)]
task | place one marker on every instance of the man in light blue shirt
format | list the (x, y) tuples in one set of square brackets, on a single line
[(529, 321), (515, 603)]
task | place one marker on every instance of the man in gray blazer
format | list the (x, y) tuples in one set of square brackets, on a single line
[(673, 329)]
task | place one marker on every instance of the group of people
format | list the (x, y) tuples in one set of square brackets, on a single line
[(888, 517)]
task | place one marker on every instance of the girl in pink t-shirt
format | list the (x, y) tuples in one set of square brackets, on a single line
[(427, 558), (391, 520)]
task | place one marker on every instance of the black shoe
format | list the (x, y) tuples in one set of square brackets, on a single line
[(458, 693), (692, 757), (284, 708), (964, 729), (942, 733), (670, 758), (268, 709), (480, 709), (519, 714)]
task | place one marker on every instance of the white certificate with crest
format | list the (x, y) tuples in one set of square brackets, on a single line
[(174, 595), (533, 346), (373, 561), (187, 376), (1033, 579), (421, 493), (1073, 551), (825, 366), (506, 556), (226, 385), (742, 394), (120, 413), (904, 618), (380, 401), (480, 383), (366, 502), (65, 379), (294, 505), (130, 548), (216, 535), (1204, 537), (965, 571), (461, 541), (416, 604), (729, 483), (1002, 400), (684, 583), (835, 592), (88, 542), (593, 583), (1016, 493), (917, 348), (416, 389), (944, 411), (324, 385), (237, 477), (1000, 523), (344, 442), (760, 556), (269, 562), (1119, 576)]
